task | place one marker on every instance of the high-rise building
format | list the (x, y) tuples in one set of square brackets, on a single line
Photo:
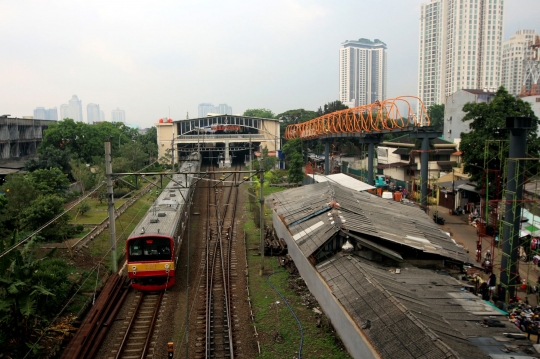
[(118, 116), (101, 115), (460, 47), (72, 110), (40, 113), (512, 60), (362, 72), (93, 113), (206, 108)]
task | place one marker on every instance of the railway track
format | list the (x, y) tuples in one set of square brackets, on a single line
[(216, 318), (135, 341)]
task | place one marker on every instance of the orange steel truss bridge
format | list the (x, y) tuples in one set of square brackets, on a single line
[(378, 117), (368, 123)]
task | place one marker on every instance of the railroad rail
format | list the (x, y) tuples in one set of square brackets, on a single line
[(216, 308), (136, 340), (94, 328)]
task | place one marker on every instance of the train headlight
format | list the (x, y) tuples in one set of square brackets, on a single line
[(134, 268), (167, 266)]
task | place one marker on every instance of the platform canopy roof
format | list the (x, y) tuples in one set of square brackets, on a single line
[(344, 180)]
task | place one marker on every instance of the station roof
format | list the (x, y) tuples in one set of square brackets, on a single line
[(344, 180), (404, 311), (304, 211)]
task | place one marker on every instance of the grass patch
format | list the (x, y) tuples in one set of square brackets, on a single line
[(278, 330), (97, 213)]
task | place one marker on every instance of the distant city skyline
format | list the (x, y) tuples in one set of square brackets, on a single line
[(222, 109), (41, 113), (512, 60), (118, 116), (93, 113), (150, 71), (72, 110)]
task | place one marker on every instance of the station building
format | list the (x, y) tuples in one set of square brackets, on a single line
[(221, 138)]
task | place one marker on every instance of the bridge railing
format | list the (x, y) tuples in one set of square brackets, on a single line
[(379, 116)]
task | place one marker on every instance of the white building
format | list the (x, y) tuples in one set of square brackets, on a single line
[(118, 116), (362, 72), (460, 47), (101, 116), (205, 109), (72, 110), (93, 113), (512, 60)]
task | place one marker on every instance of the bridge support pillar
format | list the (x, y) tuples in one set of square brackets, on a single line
[(326, 157), (425, 134), (518, 127), (227, 162)]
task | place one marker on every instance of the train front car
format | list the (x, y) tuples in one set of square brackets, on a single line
[(152, 248)]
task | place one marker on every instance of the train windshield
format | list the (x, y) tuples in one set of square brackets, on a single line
[(149, 249)]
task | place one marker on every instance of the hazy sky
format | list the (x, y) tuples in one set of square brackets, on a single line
[(147, 57)]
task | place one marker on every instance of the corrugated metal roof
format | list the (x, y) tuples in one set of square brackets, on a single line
[(418, 313), (365, 214), (344, 180)]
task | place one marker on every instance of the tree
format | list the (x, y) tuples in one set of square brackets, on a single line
[(50, 181), (50, 156), (269, 161), (259, 112), (19, 191), (488, 122), (135, 155), (82, 174), (293, 154), (331, 107), (294, 116), (436, 115), (40, 211)]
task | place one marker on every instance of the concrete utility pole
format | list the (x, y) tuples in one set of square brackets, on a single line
[(261, 220), (172, 152), (110, 197)]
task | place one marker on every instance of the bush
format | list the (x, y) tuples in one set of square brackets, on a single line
[(84, 207), (119, 193)]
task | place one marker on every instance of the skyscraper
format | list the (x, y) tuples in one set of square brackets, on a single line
[(101, 115), (460, 47), (40, 113), (72, 110), (92, 113), (512, 60), (206, 108), (362, 72), (118, 116)]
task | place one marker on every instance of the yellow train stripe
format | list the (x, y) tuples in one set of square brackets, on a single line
[(144, 267)]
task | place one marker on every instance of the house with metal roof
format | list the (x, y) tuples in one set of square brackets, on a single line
[(381, 272), (400, 159)]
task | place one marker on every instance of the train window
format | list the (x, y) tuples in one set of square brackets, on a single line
[(149, 249)]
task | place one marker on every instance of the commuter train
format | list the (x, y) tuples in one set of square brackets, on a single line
[(153, 247)]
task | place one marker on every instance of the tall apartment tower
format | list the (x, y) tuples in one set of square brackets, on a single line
[(362, 72), (118, 116), (460, 47), (40, 113), (93, 113), (512, 60), (72, 110), (206, 108)]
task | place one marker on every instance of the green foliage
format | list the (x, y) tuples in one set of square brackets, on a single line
[(40, 211), (488, 122), (134, 153), (84, 208), (24, 282), (50, 157), (259, 112), (331, 107), (294, 116), (269, 161), (50, 181), (82, 174), (436, 115), (293, 155)]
